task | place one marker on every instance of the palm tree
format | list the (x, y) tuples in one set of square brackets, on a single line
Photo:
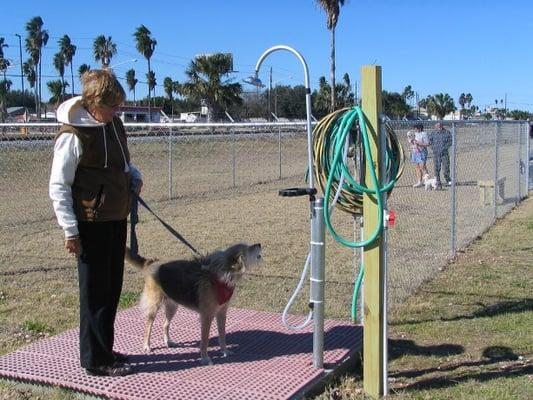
[(4, 62), (462, 102), (37, 38), (68, 50), (152, 83), (83, 68), (441, 104), (5, 85), (332, 9), (146, 46), (168, 85), (59, 65), (29, 73), (131, 81), (56, 88), (206, 84), (104, 49)]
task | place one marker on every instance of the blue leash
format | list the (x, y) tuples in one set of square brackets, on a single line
[(134, 219)]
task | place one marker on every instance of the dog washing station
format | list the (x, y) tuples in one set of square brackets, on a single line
[(271, 360)]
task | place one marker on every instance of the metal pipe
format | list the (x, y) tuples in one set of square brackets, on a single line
[(453, 198), (496, 162), (383, 249), (307, 101), (527, 159), (318, 262), (170, 176), (233, 160), (519, 162), (279, 150)]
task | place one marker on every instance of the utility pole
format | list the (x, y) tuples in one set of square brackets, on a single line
[(21, 69)]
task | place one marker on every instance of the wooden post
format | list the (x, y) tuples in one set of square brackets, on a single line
[(373, 352)]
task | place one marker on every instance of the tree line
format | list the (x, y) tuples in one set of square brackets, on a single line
[(208, 83)]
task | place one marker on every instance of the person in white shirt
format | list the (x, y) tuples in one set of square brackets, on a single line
[(419, 141), (90, 186)]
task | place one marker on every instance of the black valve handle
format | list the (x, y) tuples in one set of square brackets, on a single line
[(293, 192)]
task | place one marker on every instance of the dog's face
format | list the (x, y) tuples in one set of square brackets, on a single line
[(245, 257), (235, 260), (425, 178)]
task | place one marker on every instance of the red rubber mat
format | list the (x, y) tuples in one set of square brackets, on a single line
[(269, 361)]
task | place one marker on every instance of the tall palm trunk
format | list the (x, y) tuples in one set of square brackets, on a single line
[(149, 97), (39, 79), (72, 77), (333, 94)]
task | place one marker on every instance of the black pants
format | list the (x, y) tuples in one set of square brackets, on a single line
[(100, 272), (444, 159)]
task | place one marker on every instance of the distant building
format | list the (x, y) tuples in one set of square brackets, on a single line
[(139, 113), (17, 114)]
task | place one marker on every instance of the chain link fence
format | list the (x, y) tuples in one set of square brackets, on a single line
[(218, 183)]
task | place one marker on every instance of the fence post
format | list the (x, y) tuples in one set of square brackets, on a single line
[(519, 162), (279, 150), (496, 162), (233, 158), (527, 160), (453, 242), (170, 164), (374, 367)]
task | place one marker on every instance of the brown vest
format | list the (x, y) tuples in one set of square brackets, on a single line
[(100, 191)]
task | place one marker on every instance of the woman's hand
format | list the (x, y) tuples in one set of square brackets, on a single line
[(73, 245), (138, 187)]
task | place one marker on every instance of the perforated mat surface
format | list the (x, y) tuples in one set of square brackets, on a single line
[(269, 361)]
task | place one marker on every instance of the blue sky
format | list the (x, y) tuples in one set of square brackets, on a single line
[(481, 47)]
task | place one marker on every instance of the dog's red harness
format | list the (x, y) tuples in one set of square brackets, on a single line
[(223, 290)]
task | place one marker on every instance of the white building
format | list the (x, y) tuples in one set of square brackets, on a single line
[(139, 113)]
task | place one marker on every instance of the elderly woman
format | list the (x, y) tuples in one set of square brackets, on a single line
[(90, 185)]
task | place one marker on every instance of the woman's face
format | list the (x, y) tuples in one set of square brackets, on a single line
[(104, 113)]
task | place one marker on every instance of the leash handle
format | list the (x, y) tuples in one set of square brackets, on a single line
[(167, 226)]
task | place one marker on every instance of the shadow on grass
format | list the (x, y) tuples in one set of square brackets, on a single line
[(504, 307), (492, 356), (401, 347)]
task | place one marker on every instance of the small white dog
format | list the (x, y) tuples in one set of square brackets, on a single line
[(429, 183)]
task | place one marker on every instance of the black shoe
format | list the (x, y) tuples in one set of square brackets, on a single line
[(110, 370), (120, 358)]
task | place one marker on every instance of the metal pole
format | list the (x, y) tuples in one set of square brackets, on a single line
[(496, 162), (170, 164), (21, 68), (453, 199), (318, 262), (279, 150), (519, 162), (383, 249), (233, 159), (307, 101), (527, 159)]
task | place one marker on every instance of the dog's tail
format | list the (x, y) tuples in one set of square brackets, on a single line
[(137, 260)]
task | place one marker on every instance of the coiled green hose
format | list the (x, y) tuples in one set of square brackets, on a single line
[(335, 179)]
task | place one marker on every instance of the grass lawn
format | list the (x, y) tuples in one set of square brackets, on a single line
[(466, 334)]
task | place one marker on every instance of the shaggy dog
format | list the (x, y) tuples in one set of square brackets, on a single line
[(203, 284), (429, 183)]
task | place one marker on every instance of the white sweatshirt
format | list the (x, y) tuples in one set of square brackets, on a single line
[(67, 154)]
